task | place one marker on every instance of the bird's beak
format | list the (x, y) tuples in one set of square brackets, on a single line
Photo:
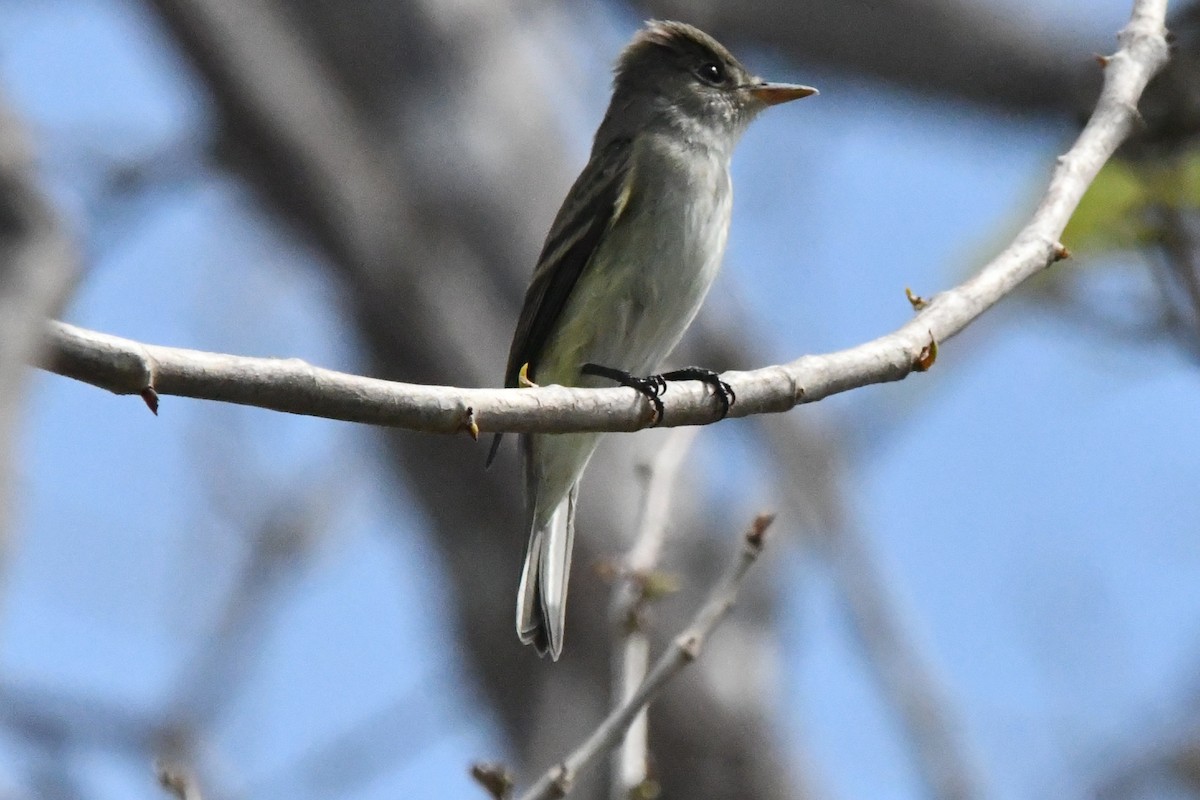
[(775, 93)]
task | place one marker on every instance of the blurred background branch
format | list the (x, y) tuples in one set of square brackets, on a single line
[(37, 269)]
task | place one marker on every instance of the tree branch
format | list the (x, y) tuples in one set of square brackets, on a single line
[(127, 367), (633, 589), (557, 782)]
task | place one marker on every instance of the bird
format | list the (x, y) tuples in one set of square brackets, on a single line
[(624, 270)]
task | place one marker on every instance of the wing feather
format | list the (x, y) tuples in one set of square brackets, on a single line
[(596, 199)]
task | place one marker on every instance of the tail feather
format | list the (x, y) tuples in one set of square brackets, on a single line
[(542, 597)]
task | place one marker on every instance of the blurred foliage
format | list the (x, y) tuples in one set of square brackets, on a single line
[(1123, 207)]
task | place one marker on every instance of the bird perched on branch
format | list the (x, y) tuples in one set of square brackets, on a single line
[(624, 269)]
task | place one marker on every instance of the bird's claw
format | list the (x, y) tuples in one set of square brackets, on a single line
[(724, 393), (651, 387)]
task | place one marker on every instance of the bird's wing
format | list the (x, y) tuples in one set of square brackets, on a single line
[(588, 212)]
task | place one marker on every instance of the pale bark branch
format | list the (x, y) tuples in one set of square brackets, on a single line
[(124, 366), (635, 579), (178, 780), (557, 782)]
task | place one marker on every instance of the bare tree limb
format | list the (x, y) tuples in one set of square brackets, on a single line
[(557, 782), (631, 657), (123, 366), (288, 97)]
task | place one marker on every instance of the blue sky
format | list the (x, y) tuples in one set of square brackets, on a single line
[(1032, 499)]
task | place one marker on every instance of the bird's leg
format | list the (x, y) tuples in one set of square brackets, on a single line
[(723, 391), (651, 387)]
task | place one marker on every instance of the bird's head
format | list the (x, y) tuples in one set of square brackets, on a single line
[(676, 74)]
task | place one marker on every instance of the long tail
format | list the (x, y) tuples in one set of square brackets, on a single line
[(542, 597)]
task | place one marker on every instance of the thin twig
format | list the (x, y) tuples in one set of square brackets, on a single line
[(495, 778), (631, 659), (557, 782), (178, 780), (652, 527)]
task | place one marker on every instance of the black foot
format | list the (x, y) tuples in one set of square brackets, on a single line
[(651, 386), (723, 391)]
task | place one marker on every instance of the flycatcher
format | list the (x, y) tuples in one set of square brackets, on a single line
[(625, 267)]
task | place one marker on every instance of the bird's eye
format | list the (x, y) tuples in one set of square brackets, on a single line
[(712, 72)]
